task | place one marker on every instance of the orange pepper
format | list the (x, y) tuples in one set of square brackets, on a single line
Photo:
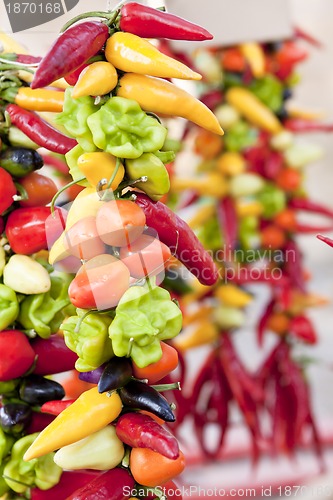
[(156, 371), (207, 144), (150, 468)]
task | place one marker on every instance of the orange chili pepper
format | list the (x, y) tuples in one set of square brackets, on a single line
[(150, 468)]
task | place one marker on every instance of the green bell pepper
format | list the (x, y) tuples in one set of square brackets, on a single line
[(272, 199), (9, 306), (74, 118), (121, 128), (144, 316), (44, 312), (6, 443), (91, 342), (40, 472), (240, 136), (72, 159), (149, 165)]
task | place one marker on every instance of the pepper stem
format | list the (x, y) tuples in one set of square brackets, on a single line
[(167, 387), (112, 178), (58, 193), (79, 323), (111, 16)]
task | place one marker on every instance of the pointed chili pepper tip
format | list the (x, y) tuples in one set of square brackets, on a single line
[(325, 239)]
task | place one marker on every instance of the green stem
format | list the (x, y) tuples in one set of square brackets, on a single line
[(112, 178), (58, 193), (167, 387), (16, 66), (79, 323), (111, 16)]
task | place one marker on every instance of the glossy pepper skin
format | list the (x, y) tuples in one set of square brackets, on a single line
[(7, 190), (147, 22), (93, 410), (36, 100), (39, 131), (53, 356), (16, 354), (69, 482), (25, 230), (129, 52), (178, 236), (160, 96), (141, 431), (141, 396), (37, 390), (117, 373), (111, 485), (71, 49)]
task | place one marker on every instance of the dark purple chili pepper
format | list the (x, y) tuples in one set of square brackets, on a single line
[(116, 373)]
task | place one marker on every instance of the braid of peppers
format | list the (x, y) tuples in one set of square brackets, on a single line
[(116, 239)]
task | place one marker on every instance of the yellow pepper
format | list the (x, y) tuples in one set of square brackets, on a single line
[(203, 214), (129, 52), (231, 163), (98, 78), (253, 109), (40, 99), (160, 96), (91, 412), (198, 334), (99, 165), (203, 313), (86, 204), (232, 295), (211, 184), (245, 208), (255, 57)]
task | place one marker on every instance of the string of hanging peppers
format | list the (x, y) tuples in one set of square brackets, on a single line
[(106, 315), (244, 203)]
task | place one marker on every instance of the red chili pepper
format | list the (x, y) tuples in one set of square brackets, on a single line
[(2, 225), (228, 220), (326, 240), (38, 422), (300, 33), (56, 407), (39, 130), (310, 206), (58, 164), (141, 431), (302, 328), (293, 265), (147, 22), (25, 230), (178, 236), (7, 190), (114, 484), (244, 398), (72, 48), (212, 99), (291, 53), (187, 198), (273, 165), (53, 356), (306, 229), (27, 59), (16, 354), (68, 484), (301, 125), (73, 77)]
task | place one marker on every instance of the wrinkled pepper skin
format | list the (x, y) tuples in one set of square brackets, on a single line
[(112, 485), (160, 96), (178, 236), (141, 431), (147, 22), (93, 410), (129, 52), (71, 49)]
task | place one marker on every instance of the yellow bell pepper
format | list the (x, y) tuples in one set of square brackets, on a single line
[(91, 412), (40, 99), (86, 204), (253, 109), (231, 163), (212, 184), (232, 295), (160, 96), (130, 53), (99, 165), (255, 57), (198, 334), (98, 78), (203, 214)]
